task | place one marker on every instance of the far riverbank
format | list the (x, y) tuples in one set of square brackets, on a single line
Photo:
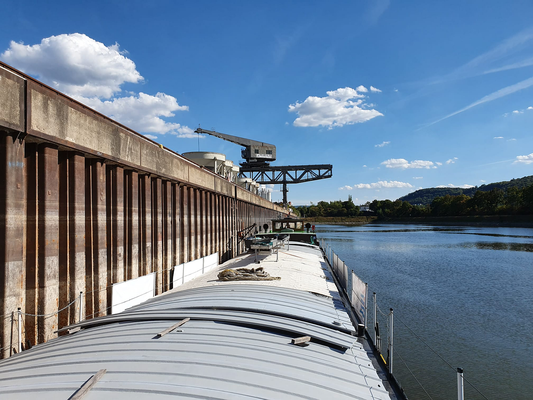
[(520, 221)]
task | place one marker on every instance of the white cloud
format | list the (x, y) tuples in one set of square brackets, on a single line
[(375, 90), (143, 112), (498, 137), (150, 136), (364, 166), (438, 163), (383, 184), (404, 164), (530, 108), (361, 89), (75, 64), (518, 112), (482, 181), (450, 185), (337, 109), (524, 159), (93, 74), (418, 177), (382, 144), (452, 160), (346, 188)]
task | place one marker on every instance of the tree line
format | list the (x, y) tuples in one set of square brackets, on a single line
[(329, 209), (512, 201)]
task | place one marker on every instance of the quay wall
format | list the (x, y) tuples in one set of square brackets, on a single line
[(86, 202)]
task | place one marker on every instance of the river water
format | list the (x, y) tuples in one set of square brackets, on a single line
[(462, 297)]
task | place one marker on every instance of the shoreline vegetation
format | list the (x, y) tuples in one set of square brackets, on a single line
[(496, 207)]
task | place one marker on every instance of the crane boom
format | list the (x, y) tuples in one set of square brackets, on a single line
[(258, 156), (255, 153)]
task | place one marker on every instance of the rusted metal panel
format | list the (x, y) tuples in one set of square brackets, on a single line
[(146, 229), (117, 224), (167, 233), (133, 231), (12, 223), (185, 225), (48, 240), (193, 244), (157, 232), (201, 223), (225, 228), (210, 223), (76, 229), (64, 292), (90, 265), (100, 239), (31, 186), (214, 233), (175, 224)]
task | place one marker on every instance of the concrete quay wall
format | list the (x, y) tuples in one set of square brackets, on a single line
[(86, 202)]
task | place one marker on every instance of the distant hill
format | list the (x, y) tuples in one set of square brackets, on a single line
[(426, 196)]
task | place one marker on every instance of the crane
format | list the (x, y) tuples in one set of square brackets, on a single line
[(259, 155), (255, 153)]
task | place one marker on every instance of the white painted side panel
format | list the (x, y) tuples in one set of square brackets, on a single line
[(130, 293)]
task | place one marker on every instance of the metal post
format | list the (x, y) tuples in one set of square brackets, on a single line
[(12, 327), (460, 384), (20, 330), (80, 317), (391, 340), (365, 322), (375, 319)]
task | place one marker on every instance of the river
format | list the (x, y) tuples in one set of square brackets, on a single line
[(462, 297)]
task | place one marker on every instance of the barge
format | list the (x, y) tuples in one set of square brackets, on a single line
[(293, 336)]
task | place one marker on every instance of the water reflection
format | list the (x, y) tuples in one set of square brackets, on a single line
[(498, 246), (495, 235), (451, 230)]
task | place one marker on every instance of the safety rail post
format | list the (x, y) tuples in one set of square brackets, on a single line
[(80, 311), (20, 330), (12, 328), (460, 384), (375, 319), (366, 306), (391, 340)]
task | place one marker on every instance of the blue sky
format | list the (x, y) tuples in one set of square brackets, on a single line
[(396, 95)]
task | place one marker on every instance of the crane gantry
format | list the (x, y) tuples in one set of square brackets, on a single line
[(259, 155)]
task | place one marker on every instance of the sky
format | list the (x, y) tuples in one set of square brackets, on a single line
[(396, 95)]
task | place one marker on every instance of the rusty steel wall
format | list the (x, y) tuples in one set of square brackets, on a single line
[(86, 203), (78, 224)]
